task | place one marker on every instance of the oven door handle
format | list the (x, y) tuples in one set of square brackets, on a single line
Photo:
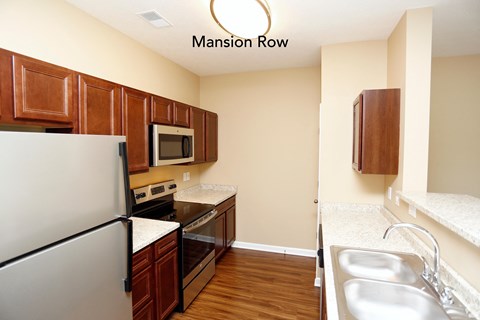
[(200, 222)]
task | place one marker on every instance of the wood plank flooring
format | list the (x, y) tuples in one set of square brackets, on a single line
[(258, 285)]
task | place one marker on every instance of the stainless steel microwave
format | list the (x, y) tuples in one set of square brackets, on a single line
[(170, 145)]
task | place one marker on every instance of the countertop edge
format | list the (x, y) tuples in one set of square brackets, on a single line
[(147, 231), (213, 194), (421, 202)]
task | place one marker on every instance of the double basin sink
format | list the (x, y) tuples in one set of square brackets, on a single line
[(386, 285)]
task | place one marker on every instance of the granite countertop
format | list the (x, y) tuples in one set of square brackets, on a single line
[(147, 231), (355, 226), (458, 212), (206, 193)]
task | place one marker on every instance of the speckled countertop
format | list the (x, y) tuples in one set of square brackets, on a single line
[(206, 193), (355, 226), (147, 231), (457, 212)]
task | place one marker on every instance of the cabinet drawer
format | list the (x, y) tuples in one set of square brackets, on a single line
[(146, 313), (142, 259), (143, 288), (222, 207), (165, 244)]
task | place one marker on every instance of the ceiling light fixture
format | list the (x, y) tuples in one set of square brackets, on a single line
[(242, 18)]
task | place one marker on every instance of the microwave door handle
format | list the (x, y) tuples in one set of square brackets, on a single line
[(186, 147)]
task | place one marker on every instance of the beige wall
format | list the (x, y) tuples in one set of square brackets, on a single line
[(56, 32), (268, 146), (409, 61), (409, 68), (347, 69), (454, 153)]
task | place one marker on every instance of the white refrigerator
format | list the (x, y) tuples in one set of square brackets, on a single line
[(65, 236)]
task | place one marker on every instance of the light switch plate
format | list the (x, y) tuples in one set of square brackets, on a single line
[(186, 176), (389, 193), (397, 201)]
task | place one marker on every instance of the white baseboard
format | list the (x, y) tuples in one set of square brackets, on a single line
[(275, 249)]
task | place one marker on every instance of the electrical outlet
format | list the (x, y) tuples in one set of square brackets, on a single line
[(186, 176), (389, 193), (397, 201)]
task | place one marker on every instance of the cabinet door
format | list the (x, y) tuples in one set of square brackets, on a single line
[(181, 116), (166, 275), (357, 133), (142, 289), (162, 110), (99, 107), (136, 107), (220, 243), (211, 138), (197, 123), (230, 224), (42, 91)]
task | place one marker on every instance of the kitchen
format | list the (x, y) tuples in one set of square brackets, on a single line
[(266, 102)]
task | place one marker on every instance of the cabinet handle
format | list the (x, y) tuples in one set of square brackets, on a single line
[(315, 201)]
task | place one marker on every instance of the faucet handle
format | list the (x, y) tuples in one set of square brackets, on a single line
[(446, 295), (427, 271)]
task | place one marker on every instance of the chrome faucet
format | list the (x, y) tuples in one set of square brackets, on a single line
[(436, 249)]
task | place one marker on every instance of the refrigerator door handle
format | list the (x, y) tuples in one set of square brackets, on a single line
[(126, 179), (128, 280)]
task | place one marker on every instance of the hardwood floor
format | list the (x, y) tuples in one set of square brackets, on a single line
[(258, 285)]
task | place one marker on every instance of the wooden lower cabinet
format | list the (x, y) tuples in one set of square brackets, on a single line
[(166, 276), (220, 244), (225, 228), (155, 280), (146, 313)]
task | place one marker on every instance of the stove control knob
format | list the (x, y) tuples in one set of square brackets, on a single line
[(140, 195), (172, 186)]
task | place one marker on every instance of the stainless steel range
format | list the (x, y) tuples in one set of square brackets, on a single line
[(197, 261)]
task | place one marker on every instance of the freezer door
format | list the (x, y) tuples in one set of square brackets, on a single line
[(56, 185), (79, 279)]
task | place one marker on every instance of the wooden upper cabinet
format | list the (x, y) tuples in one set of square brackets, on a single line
[(42, 91), (99, 106), (169, 112), (197, 123), (211, 137), (136, 110), (376, 130), (162, 110), (181, 115)]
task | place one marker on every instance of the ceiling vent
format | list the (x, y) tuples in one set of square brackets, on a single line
[(155, 19)]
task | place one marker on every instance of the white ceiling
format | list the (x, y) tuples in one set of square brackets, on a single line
[(307, 24)]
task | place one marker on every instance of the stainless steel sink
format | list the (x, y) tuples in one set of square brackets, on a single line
[(372, 300), (374, 284), (377, 265)]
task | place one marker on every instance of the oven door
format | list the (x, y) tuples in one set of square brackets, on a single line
[(198, 264), (198, 245)]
